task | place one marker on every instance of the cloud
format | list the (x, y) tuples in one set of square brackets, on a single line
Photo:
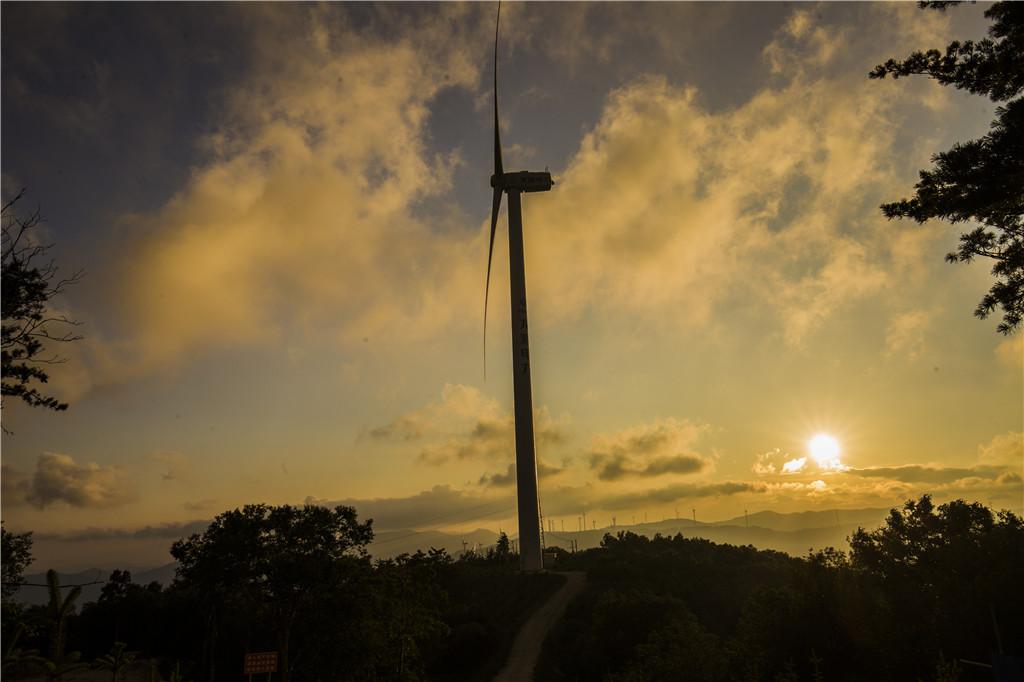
[(467, 425), (906, 333), (764, 464), (891, 485), (458, 405), (177, 466), (1011, 351), (663, 447), (1001, 461), (1006, 450), (59, 478), (501, 479), (305, 215), (616, 468), (440, 506), (775, 461), (506, 478), (169, 531), (15, 484), (916, 473), (679, 491), (200, 505), (794, 465), (771, 203)]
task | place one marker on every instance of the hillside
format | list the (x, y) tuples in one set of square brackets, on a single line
[(793, 533)]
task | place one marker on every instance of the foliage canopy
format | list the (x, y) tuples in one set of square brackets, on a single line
[(980, 182), (16, 556), (29, 321)]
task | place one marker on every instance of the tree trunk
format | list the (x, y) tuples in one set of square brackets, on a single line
[(284, 634), (209, 644)]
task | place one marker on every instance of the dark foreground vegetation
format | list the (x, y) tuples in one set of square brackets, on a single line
[(928, 596), (295, 580), (912, 600)]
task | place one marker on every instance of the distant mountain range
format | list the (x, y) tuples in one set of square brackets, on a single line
[(807, 520), (92, 581), (795, 533)]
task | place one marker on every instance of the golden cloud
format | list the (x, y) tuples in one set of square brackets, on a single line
[(663, 447), (304, 218), (467, 425), (59, 478)]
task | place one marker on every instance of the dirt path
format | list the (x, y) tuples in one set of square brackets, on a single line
[(526, 648)]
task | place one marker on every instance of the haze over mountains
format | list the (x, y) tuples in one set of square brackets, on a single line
[(793, 533)]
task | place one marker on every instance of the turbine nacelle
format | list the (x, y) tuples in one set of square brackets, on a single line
[(523, 181)]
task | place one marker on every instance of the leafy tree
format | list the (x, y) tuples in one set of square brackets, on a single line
[(502, 550), (982, 181), (16, 556), (29, 323), (120, 598), (117, 586), (682, 649), (277, 561), (946, 574)]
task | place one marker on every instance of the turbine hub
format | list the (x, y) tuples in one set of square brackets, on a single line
[(523, 181)]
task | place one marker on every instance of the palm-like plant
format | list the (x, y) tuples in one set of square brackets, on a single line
[(58, 609), (116, 661), (16, 657), (177, 675), (57, 671)]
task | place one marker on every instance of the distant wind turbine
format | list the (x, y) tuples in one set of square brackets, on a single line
[(514, 184)]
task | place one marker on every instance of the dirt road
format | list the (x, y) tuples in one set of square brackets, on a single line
[(526, 648)]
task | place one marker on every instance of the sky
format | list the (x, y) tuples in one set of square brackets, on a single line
[(282, 213)]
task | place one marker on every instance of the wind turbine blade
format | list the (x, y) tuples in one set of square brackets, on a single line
[(498, 170), (495, 207)]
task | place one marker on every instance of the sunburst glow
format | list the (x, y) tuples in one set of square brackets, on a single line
[(825, 451)]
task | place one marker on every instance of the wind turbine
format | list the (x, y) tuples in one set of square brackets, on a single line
[(514, 184)]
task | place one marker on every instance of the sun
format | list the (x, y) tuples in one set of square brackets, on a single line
[(825, 451)]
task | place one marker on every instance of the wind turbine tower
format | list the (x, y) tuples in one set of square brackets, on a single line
[(514, 185)]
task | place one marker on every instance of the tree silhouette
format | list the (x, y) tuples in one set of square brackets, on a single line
[(16, 556), (29, 323), (502, 548), (981, 181), (947, 575), (58, 609), (114, 593), (273, 560)]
